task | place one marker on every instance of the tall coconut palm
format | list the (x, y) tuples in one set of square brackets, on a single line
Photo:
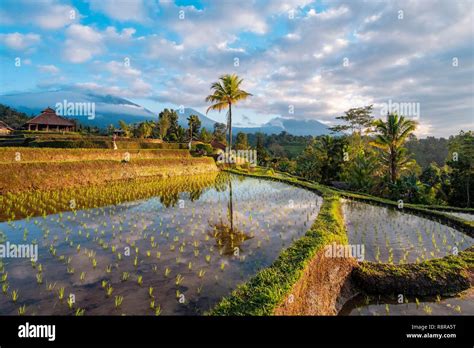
[(391, 136), (226, 92)]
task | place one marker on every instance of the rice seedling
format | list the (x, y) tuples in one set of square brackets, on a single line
[(79, 312), (150, 292), (14, 295), (108, 290), (22, 310), (140, 280), (167, 271), (118, 301), (82, 276), (61, 293), (125, 276), (157, 310), (179, 279), (5, 287), (70, 301), (39, 278)]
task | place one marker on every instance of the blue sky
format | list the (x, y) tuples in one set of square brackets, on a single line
[(318, 58)]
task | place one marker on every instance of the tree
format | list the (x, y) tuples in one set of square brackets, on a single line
[(194, 124), (322, 160), (205, 135), (461, 163), (144, 129), (356, 120), (126, 128), (391, 136), (163, 124), (241, 141), (262, 154), (225, 93), (110, 129), (219, 131), (173, 126)]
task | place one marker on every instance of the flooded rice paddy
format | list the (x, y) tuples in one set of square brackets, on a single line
[(391, 236), (465, 216), (175, 253), (463, 304)]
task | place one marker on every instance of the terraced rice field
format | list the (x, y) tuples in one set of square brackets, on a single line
[(391, 236), (175, 250)]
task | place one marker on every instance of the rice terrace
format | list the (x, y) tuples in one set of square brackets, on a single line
[(199, 159)]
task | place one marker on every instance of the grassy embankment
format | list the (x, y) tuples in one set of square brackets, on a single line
[(50, 169), (77, 140), (302, 269), (446, 276)]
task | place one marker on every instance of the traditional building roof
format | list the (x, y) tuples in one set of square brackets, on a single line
[(3, 125), (48, 117), (218, 145)]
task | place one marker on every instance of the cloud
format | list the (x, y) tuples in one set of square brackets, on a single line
[(82, 43), (51, 69), (20, 42), (46, 14)]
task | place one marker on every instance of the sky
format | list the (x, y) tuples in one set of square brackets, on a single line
[(299, 59)]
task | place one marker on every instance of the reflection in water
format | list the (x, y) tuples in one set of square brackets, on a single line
[(463, 304), (228, 239), (177, 236), (395, 237)]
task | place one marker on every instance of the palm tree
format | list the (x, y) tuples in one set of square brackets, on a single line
[(391, 136), (225, 93)]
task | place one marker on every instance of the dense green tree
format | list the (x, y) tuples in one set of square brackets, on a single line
[(172, 117), (461, 164), (428, 150), (322, 160), (205, 135), (219, 132), (163, 125), (241, 141), (127, 130), (194, 124)]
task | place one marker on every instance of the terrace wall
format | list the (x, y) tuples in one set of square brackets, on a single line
[(74, 172)]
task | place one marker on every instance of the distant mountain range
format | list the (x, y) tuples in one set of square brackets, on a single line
[(110, 110)]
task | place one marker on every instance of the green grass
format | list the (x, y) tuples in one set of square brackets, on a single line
[(26, 155), (446, 276)]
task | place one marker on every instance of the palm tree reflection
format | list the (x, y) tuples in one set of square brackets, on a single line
[(228, 238)]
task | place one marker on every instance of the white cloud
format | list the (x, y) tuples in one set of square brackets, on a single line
[(52, 69), (46, 14), (20, 42), (82, 43)]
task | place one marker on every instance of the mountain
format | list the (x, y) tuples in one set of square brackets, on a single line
[(110, 109), (292, 126)]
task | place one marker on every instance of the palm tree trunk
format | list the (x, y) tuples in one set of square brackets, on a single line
[(230, 126), (231, 208)]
